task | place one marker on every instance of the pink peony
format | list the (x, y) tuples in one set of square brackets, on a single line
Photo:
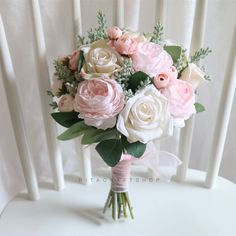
[(114, 32), (98, 101), (126, 45), (162, 80), (151, 58), (74, 58), (181, 98)]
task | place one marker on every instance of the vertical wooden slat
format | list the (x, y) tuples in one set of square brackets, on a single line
[(44, 84), (187, 132), (223, 117), (77, 18), (161, 11), (120, 13), (132, 12), (83, 151), (15, 109)]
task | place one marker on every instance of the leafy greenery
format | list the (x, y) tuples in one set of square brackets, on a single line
[(94, 135), (200, 54), (80, 61), (158, 33), (136, 79), (182, 62), (135, 149), (199, 107), (74, 131), (110, 150), (101, 31), (62, 71), (66, 119), (49, 93), (53, 105), (174, 51), (80, 41)]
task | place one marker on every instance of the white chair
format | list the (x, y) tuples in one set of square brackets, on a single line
[(184, 207)]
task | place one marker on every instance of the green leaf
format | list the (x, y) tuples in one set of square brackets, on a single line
[(66, 119), (199, 107), (136, 149), (94, 135), (174, 51), (135, 80), (74, 131), (110, 150), (81, 60)]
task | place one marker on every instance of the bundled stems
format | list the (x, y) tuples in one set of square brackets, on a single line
[(119, 202)]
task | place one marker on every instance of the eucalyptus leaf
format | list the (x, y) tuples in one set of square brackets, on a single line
[(110, 151), (135, 149), (199, 107), (66, 119), (94, 135), (174, 51), (135, 80), (74, 131), (80, 60)]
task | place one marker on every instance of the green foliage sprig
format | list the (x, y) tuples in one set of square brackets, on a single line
[(122, 77), (182, 61), (95, 34), (62, 71), (200, 54), (158, 34)]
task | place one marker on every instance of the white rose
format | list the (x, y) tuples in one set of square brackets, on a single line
[(56, 85), (194, 75), (100, 58), (146, 116), (65, 103)]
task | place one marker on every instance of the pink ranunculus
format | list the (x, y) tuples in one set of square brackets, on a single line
[(181, 98), (151, 58), (162, 80), (74, 58), (126, 45), (114, 32), (98, 101)]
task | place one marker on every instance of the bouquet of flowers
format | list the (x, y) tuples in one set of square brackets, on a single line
[(122, 90)]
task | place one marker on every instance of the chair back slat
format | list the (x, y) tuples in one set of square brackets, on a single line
[(13, 100), (43, 82), (223, 117), (186, 134)]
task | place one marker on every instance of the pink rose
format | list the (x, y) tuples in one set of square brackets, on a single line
[(126, 45), (65, 103), (98, 101), (162, 80), (114, 32), (181, 98), (74, 58), (151, 58)]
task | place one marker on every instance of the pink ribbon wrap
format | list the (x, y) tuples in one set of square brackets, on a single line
[(164, 164)]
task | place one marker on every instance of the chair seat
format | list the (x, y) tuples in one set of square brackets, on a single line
[(160, 209)]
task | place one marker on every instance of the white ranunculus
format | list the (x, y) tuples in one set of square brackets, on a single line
[(100, 58), (194, 75), (65, 103), (146, 116)]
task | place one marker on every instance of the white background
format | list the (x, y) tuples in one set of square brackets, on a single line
[(57, 16)]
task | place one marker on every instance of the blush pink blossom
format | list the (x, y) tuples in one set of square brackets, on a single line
[(181, 97), (74, 58), (162, 80), (126, 45), (151, 58), (98, 101), (114, 32)]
